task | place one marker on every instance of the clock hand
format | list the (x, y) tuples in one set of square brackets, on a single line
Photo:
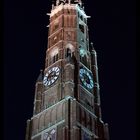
[(51, 76)]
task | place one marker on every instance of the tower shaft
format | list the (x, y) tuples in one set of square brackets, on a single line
[(67, 98)]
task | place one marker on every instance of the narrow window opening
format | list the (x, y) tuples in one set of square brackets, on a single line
[(81, 27), (81, 17), (68, 52), (55, 58)]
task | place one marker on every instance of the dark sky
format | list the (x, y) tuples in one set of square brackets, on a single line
[(112, 30)]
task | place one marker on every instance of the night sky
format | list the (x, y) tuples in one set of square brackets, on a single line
[(111, 29)]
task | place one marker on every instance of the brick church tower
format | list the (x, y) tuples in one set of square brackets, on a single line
[(67, 98)]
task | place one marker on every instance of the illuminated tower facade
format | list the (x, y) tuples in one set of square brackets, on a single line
[(67, 98)]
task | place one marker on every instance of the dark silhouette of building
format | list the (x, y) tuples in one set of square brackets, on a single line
[(67, 98)]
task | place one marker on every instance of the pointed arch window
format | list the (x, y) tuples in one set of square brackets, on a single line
[(81, 27), (81, 17), (69, 50), (54, 55), (55, 58)]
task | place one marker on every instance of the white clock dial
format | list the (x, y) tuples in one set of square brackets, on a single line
[(51, 76), (86, 78)]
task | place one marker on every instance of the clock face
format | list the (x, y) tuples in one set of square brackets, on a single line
[(86, 78), (51, 76)]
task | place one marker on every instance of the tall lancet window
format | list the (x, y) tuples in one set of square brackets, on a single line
[(54, 55), (69, 50)]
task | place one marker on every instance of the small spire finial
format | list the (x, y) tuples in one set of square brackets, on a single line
[(69, 1), (92, 45), (52, 6), (57, 2)]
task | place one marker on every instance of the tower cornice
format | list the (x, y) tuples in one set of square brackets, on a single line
[(58, 8)]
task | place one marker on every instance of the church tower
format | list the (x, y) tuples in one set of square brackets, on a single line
[(67, 98)]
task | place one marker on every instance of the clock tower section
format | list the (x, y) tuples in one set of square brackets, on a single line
[(67, 98)]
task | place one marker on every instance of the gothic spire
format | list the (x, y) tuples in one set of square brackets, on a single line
[(40, 77)]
